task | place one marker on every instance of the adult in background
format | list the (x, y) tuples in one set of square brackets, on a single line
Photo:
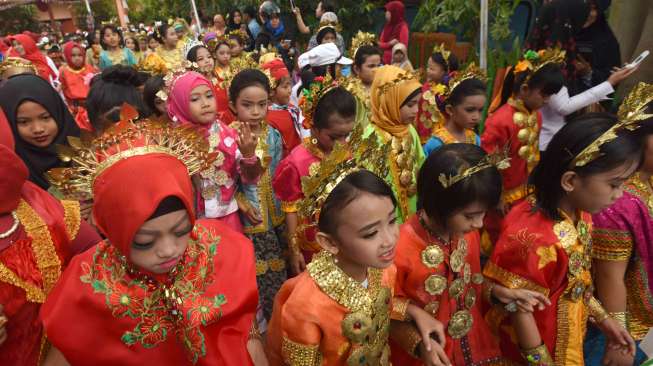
[(249, 17), (328, 19), (23, 46), (395, 30), (323, 7)]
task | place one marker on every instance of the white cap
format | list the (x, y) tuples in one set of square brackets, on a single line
[(324, 54), (329, 18)]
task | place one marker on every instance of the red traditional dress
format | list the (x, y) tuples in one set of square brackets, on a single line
[(429, 116), (287, 185), (222, 96), (514, 127), (48, 233), (285, 118), (554, 258), (324, 317), (449, 286), (75, 84)]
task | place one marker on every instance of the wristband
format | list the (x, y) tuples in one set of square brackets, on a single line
[(252, 160), (538, 356)]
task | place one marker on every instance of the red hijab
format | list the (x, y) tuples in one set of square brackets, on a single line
[(33, 54), (392, 29), (68, 52)]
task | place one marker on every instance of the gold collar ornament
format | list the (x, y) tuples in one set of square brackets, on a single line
[(128, 138), (631, 114), (361, 39), (499, 160), (471, 72), (533, 61)]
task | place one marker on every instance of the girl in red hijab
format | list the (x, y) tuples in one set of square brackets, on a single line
[(75, 77), (395, 29), (38, 236), (23, 46), (163, 288)]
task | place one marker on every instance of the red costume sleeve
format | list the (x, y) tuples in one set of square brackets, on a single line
[(287, 182)]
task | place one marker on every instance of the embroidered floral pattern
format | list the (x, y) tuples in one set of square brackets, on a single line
[(177, 307)]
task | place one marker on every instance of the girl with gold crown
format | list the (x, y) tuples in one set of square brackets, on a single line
[(164, 288), (329, 112), (517, 123), (546, 242), (464, 101), (367, 58), (394, 97)]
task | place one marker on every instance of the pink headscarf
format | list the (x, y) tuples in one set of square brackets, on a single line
[(178, 104)]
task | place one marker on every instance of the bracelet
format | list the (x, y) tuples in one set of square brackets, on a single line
[(294, 244), (254, 333), (252, 160), (597, 312), (488, 287), (621, 317), (537, 356)]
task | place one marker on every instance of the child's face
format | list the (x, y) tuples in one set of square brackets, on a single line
[(408, 111), (596, 192), (160, 105), (236, 48), (466, 220), (434, 72), (237, 18), (202, 105), (171, 37), (366, 71), (467, 114), (111, 38), (77, 57), (251, 105), (160, 243), (223, 55), (281, 94), (205, 60), (129, 43), (35, 124), (153, 44), (142, 44), (329, 38), (398, 57), (338, 130), (533, 99), (367, 234)]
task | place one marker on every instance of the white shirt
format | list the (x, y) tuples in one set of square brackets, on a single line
[(561, 105)]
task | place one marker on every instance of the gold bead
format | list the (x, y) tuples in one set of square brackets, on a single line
[(523, 135), (519, 118), (524, 152)]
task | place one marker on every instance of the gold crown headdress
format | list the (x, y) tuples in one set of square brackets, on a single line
[(534, 61), (471, 72), (441, 49), (237, 65), (361, 39), (128, 138), (401, 77), (189, 46), (172, 76), (311, 96), (499, 160), (17, 62), (240, 34), (631, 114), (358, 154)]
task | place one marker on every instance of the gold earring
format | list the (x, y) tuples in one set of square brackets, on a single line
[(314, 141)]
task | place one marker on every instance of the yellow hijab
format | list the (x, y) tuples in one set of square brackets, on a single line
[(390, 88)]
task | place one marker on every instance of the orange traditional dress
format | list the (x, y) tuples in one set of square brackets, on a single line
[(514, 127), (76, 85), (446, 281), (324, 317), (553, 258), (287, 185)]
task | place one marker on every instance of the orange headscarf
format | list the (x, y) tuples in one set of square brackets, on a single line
[(388, 92)]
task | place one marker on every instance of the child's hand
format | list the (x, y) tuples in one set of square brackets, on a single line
[(246, 141), (427, 324), (432, 354), (297, 263), (618, 337), (525, 300)]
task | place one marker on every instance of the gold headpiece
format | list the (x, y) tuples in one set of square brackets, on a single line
[(266, 55), (471, 72), (19, 63), (631, 114), (533, 61), (172, 76), (401, 77), (240, 34), (358, 154), (237, 65), (152, 64), (328, 24), (499, 160), (311, 96), (127, 138), (441, 49), (361, 39)]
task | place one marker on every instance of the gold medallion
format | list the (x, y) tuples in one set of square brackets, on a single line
[(477, 278), (209, 192), (214, 140), (432, 307), (457, 260), (221, 178), (432, 256), (435, 284), (523, 152), (460, 324), (523, 135), (577, 291), (583, 232), (470, 298), (406, 178), (456, 288), (532, 120), (519, 118), (402, 160), (407, 144), (313, 168), (576, 261), (357, 327), (396, 145), (467, 273), (358, 357)]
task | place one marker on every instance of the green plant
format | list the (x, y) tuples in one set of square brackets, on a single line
[(18, 19)]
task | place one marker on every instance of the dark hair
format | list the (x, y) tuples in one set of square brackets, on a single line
[(116, 85), (245, 79), (328, 5), (161, 32), (309, 73), (250, 11), (137, 46), (323, 32), (152, 86), (363, 52), (467, 88), (548, 79), (448, 65), (410, 96), (232, 14), (237, 38), (337, 100), (439, 202), (345, 192), (192, 53), (115, 30), (567, 144)]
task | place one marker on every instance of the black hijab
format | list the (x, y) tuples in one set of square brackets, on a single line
[(21, 88)]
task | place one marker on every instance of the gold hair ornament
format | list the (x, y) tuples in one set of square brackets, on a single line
[(401, 78), (533, 61), (631, 114), (172, 76), (311, 96), (499, 160), (471, 72), (237, 65), (128, 138), (361, 39), (441, 49)]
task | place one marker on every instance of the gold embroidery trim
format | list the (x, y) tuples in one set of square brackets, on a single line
[(45, 252), (399, 307), (32, 293), (297, 354), (611, 245), (289, 206), (72, 218), (511, 280)]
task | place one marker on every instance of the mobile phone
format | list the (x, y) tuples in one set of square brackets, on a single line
[(638, 60)]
